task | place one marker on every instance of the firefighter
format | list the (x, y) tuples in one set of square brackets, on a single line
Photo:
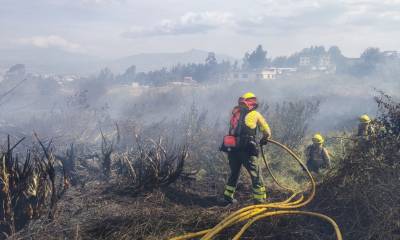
[(317, 155), (365, 128), (245, 122), (364, 133)]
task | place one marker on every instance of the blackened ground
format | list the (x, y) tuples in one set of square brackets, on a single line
[(102, 210)]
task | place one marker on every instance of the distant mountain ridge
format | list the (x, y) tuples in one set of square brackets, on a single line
[(150, 61), (59, 62), (49, 60)]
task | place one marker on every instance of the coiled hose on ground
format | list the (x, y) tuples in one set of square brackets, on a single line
[(253, 213)]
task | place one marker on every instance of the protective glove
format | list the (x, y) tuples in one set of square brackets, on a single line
[(264, 141)]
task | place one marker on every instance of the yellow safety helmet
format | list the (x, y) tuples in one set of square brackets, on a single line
[(365, 119), (317, 138), (248, 95)]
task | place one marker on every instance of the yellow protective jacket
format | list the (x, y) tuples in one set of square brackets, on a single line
[(254, 119), (317, 156), (365, 130)]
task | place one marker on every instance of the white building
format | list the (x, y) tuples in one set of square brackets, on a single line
[(391, 54), (324, 62), (321, 63), (187, 81), (265, 74), (305, 61), (244, 75), (270, 73)]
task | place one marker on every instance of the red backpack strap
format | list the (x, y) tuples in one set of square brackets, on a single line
[(237, 121), (234, 122)]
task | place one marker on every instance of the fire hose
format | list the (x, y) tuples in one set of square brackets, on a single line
[(256, 212)]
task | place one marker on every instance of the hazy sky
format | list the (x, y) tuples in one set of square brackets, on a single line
[(114, 28)]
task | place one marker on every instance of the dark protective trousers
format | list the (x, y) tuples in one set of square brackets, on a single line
[(236, 160)]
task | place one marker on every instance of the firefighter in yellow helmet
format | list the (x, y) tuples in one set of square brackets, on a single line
[(365, 128), (317, 155), (243, 150)]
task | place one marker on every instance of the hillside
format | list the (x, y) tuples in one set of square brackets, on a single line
[(151, 61), (48, 60)]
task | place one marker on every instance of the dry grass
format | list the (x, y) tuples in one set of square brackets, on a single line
[(361, 194)]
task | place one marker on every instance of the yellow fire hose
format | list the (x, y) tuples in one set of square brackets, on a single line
[(271, 173), (253, 213)]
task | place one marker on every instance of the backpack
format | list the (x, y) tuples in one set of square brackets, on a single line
[(231, 142)]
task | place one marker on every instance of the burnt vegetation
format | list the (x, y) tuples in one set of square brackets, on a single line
[(151, 164), (362, 193), (30, 185), (163, 179)]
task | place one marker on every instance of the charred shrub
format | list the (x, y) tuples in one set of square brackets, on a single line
[(290, 120), (30, 185), (363, 193), (151, 164), (203, 140)]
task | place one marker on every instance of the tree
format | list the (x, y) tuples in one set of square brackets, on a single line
[(335, 52), (211, 60), (105, 75), (131, 71), (211, 65), (16, 72), (371, 56), (338, 59), (369, 60), (201, 72), (235, 65), (316, 51), (128, 76), (255, 60), (280, 61)]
